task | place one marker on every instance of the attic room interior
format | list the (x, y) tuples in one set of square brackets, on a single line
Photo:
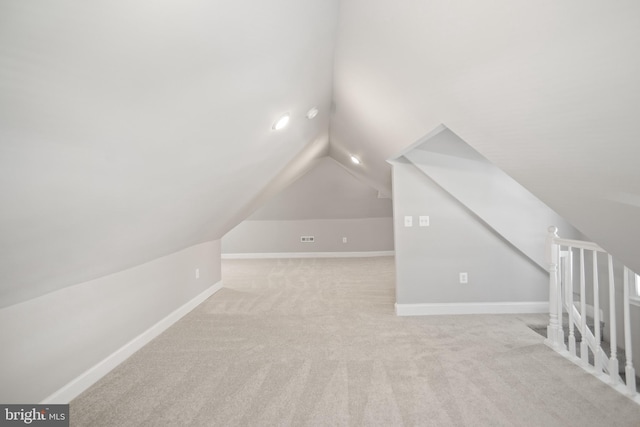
[(172, 253)]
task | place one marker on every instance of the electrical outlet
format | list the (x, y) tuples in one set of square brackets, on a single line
[(344, 240), (423, 221), (197, 273), (408, 221), (464, 278), (307, 239)]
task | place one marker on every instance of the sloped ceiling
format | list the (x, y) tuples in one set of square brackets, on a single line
[(328, 191), (132, 129), (547, 91)]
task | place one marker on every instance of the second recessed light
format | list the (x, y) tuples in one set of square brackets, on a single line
[(282, 122), (312, 113)]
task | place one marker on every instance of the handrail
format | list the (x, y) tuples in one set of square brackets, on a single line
[(579, 244), (587, 288)]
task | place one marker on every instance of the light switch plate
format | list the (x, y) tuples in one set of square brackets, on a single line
[(408, 221)]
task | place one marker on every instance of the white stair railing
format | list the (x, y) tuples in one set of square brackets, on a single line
[(582, 300)]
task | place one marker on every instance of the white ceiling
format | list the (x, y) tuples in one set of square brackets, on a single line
[(130, 129), (548, 91)]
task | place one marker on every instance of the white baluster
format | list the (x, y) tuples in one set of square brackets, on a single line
[(572, 335), (561, 289), (584, 348), (630, 373), (553, 327), (568, 272), (596, 315), (560, 301), (613, 359)]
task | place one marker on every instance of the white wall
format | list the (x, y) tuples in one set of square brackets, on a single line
[(327, 191), (547, 91), (509, 208), (364, 234), (429, 259), (107, 123), (328, 203), (53, 339)]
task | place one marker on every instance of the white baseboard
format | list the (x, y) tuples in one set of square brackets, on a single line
[(471, 308), (265, 255), (93, 374)]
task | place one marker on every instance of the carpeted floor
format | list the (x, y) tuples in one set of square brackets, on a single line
[(315, 342)]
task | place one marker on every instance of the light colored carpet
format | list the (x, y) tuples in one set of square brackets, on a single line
[(315, 342)]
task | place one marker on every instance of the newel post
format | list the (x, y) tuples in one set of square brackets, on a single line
[(554, 328)]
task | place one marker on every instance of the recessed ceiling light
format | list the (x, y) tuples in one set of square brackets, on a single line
[(312, 113), (282, 122), (355, 160)]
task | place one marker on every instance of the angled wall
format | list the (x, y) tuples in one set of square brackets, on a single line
[(429, 259), (126, 137), (547, 91), (493, 196)]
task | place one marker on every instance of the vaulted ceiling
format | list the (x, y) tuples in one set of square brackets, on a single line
[(132, 129)]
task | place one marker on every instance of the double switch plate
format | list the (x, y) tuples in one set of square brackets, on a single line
[(423, 221)]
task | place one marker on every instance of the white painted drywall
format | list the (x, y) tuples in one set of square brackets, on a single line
[(505, 205), (329, 203), (127, 134), (327, 191), (51, 340), (363, 234), (547, 91), (429, 259)]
